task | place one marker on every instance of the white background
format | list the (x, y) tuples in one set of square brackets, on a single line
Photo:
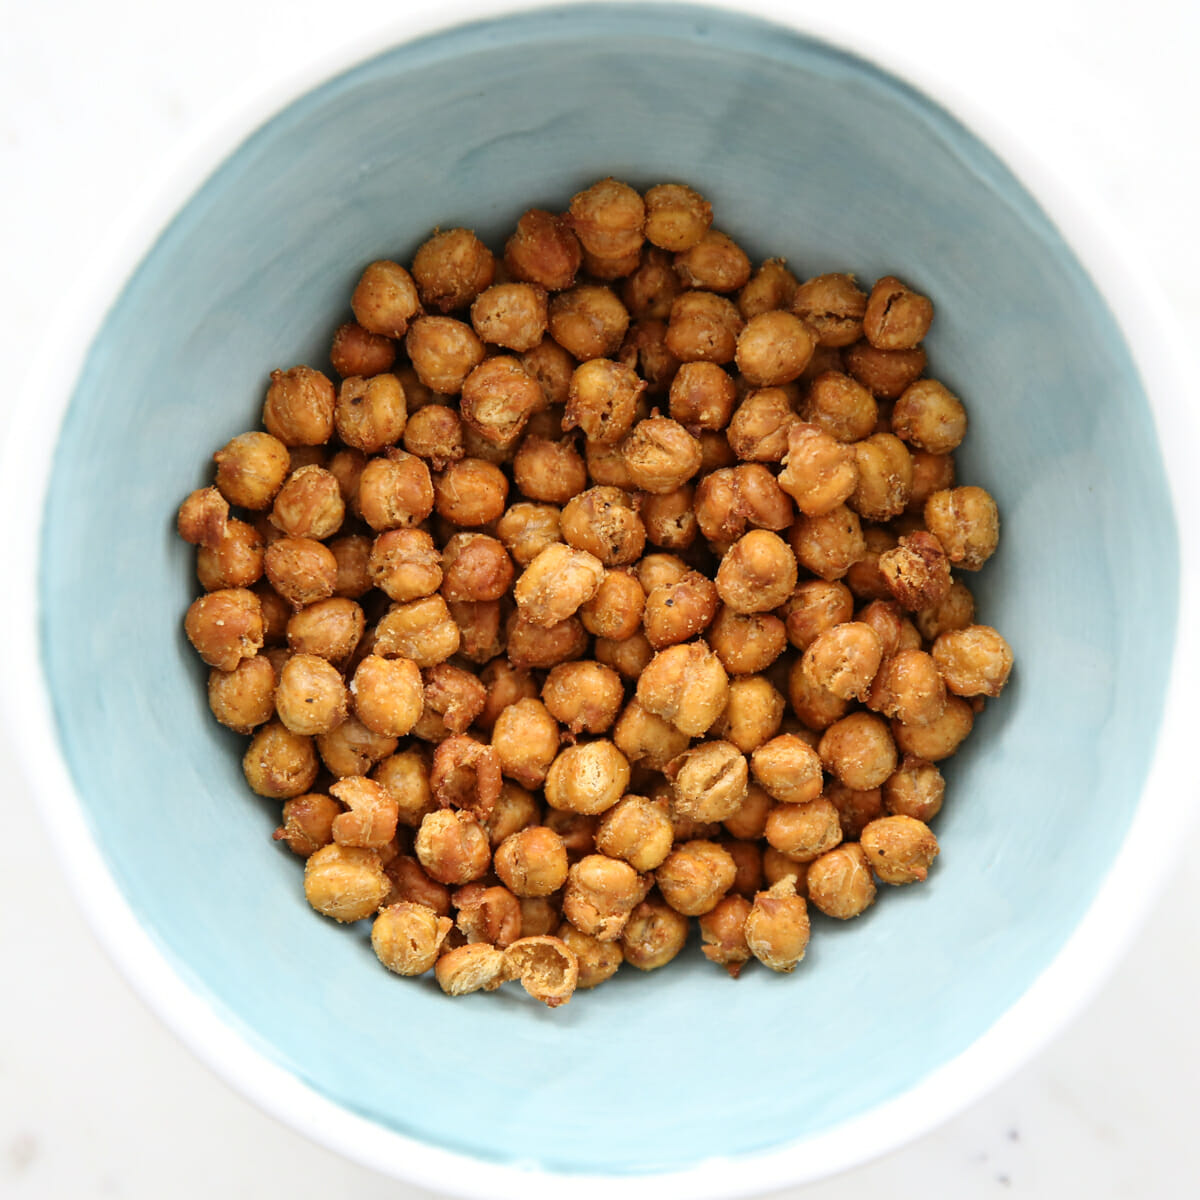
[(96, 1099)]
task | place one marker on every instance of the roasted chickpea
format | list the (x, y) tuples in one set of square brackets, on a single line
[(788, 768), (815, 607), (515, 809), (355, 351), (804, 831), (637, 831), (352, 748), (777, 867), (411, 885), (676, 217), (346, 883), (855, 809), (685, 685), (598, 960), (472, 967), (385, 299), (816, 707), (370, 414), (917, 571), (660, 455), (543, 250), (900, 849), (916, 789), (679, 611), (670, 518), (840, 406), (532, 862), (820, 473), (435, 433), (703, 327), (407, 937), (771, 287), (422, 630), (833, 306), (975, 661), (840, 882), (549, 470), (587, 778), (859, 750), (724, 933), (451, 269), (716, 263), (498, 398), (475, 567), (526, 738), (884, 373), (584, 696), (608, 218), (896, 318), (527, 529), (654, 934), (955, 611), (471, 492), (930, 417), (309, 505), (244, 697), (602, 400), (452, 847), (466, 775), (604, 522), (733, 498), (388, 694), (930, 473), (505, 685), (395, 492), (651, 288), (909, 689), (235, 560), (405, 564), (225, 626), (694, 877), (774, 349), (405, 777), (279, 763), (512, 315), (490, 915), (540, 646), (347, 466), (444, 352), (311, 696), (251, 469), (761, 426), (588, 321), (204, 515), (661, 570), (702, 396), (298, 410), (307, 823), (453, 699), (546, 967), (967, 524), (940, 738), (777, 927), (615, 610), (757, 574), (600, 895), (864, 578), (753, 713), (884, 477), (709, 782), (552, 367), (844, 660), (480, 628), (370, 819), (556, 583), (746, 643), (828, 545)]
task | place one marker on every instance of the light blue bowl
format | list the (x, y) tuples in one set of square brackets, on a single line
[(806, 152)]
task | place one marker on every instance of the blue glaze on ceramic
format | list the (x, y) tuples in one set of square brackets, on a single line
[(805, 152)]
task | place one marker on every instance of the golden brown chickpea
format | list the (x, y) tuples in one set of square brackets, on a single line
[(896, 317), (966, 522), (587, 778), (475, 567), (844, 660), (537, 647), (588, 321), (410, 884), (679, 611), (578, 832), (709, 782), (306, 456), (405, 564), (204, 515), (471, 492), (498, 397), (422, 630), (527, 529), (917, 571), (670, 518), (694, 877), (685, 685), (676, 217), (833, 306), (370, 414), (310, 696), (388, 695), (660, 570), (480, 626), (859, 750), (864, 578), (307, 823), (452, 847), (556, 583), (606, 465), (660, 455), (435, 433), (407, 937), (234, 561), (777, 867), (298, 410), (584, 696), (747, 857), (975, 661), (598, 960), (532, 862), (716, 263), (654, 934), (473, 967), (771, 287), (930, 417), (757, 574), (604, 522), (628, 656), (955, 611), (804, 831), (637, 831), (815, 607), (816, 707), (819, 472), (909, 689), (752, 714), (828, 545), (385, 299), (840, 406), (515, 809), (602, 400), (346, 883), (930, 473), (855, 809), (900, 849), (651, 288), (884, 477), (646, 739), (552, 367), (543, 250), (746, 643), (731, 499), (417, 395), (761, 426), (885, 617), (488, 914), (774, 349), (370, 821), (600, 895), (225, 626), (548, 470), (395, 491), (251, 469), (505, 685), (777, 927), (405, 776), (279, 763), (724, 933), (526, 738), (353, 749), (347, 466), (884, 373), (309, 505), (546, 966), (444, 352), (243, 698), (916, 789), (940, 738), (453, 699), (788, 768), (703, 327), (451, 269), (702, 396), (355, 351), (840, 882), (608, 218), (512, 315)]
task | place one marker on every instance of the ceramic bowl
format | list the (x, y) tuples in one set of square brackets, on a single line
[(679, 1082)]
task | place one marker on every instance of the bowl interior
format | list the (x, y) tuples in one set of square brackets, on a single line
[(805, 152)]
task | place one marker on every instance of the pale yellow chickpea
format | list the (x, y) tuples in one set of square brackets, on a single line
[(636, 830), (975, 661), (473, 967), (243, 698), (761, 425), (709, 781), (788, 768), (955, 611), (311, 697), (834, 306), (602, 400), (370, 819), (715, 263), (966, 522), (815, 607), (685, 685), (346, 883), (388, 694), (601, 893), (908, 688), (589, 321), (694, 877), (724, 933), (703, 327), (896, 317), (235, 560), (598, 961), (307, 823), (828, 545), (584, 696), (840, 882), (917, 571), (405, 776), (646, 739), (841, 406), (588, 778), (900, 849), (526, 737), (543, 250), (771, 287), (757, 574), (777, 927), (844, 660), (676, 217), (746, 643), (407, 937), (470, 492), (774, 349), (816, 707), (538, 647), (654, 934), (556, 583), (608, 218), (422, 630), (750, 821), (915, 789), (452, 847), (532, 862), (859, 750), (251, 469), (298, 410), (819, 472), (804, 831), (938, 739)]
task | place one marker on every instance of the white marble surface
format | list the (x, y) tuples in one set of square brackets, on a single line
[(96, 1099)]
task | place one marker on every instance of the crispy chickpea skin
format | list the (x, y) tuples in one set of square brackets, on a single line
[(670, 518), (859, 750), (452, 847), (352, 748), (487, 914), (598, 961), (310, 697), (724, 933), (650, 290), (251, 469), (855, 809), (553, 586), (498, 397), (395, 491), (307, 823), (422, 630), (716, 263), (475, 567), (819, 472), (841, 406), (406, 777), (602, 400), (298, 410), (546, 968), (703, 327), (388, 694), (407, 937), (587, 778), (370, 414), (804, 831), (356, 351), (816, 707), (604, 522), (761, 426), (900, 849), (543, 250), (896, 318), (654, 934), (435, 433), (844, 660), (788, 768), (676, 216), (884, 477), (777, 927), (757, 574), (930, 417), (589, 321), (584, 696), (975, 661), (702, 396), (443, 352), (746, 643), (371, 817), (410, 883), (833, 306), (637, 831), (884, 373), (679, 611), (301, 570), (526, 738), (532, 862), (385, 299), (909, 689), (917, 571), (243, 698), (515, 809), (694, 877), (235, 561), (940, 738), (608, 218), (330, 628), (774, 349), (732, 498), (512, 315), (225, 626), (685, 685), (204, 515), (770, 288), (552, 367), (470, 492), (346, 883), (753, 713), (660, 455), (828, 545), (814, 607), (527, 529), (451, 269), (955, 611), (537, 647), (405, 564), (966, 522), (601, 893), (840, 882), (309, 505), (709, 781), (548, 470), (471, 968), (466, 775), (915, 789), (646, 739)]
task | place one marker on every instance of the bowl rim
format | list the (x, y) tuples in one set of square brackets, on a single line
[(1065, 986)]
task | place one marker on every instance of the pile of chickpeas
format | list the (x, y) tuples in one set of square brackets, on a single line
[(616, 583)]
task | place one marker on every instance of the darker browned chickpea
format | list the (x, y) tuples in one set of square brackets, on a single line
[(774, 349), (828, 545), (646, 739), (703, 327), (896, 317), (330, 629), (677, 217), (515, 809), (527, 529), (543, 250), (388, 694), (204, 515), (385, 299), (405, 776), (955, 611), (353, 749), (833, 306), (702, 396), (435, 433), (975, 661), (966, 522), (670, 518), (598, 960), (606, 465), (370, 414), (724, 933), (695, 876), (443, 352), (588, 778), (637, 831), (840, 882), (859, 750), (411, 885), (243, 698), (526, 738), (309, 505), (405, 564), (778, 867), (547, 470), (628, 656), (840, 406), (505, 685), (395, 492), (453, 695), (757, 574), (466, 775), (298, 410), (583, 696), (820, 473), (355, 351), (685, 685), (771, 287), (788, 768), (884, 373), (608, 218), (307, 823), (753, 713), (678, 611), (602, 400), (475, 567), (930, 417), (552, 367), (452, 847), (532, 862), (900, 849), (844, 660), (601, 893), (746, 643), (909, 689), (660, 455), (279, 763), (650, 290), (864, 578), (917, 571), (471, 492), (916, 789), (421, 630), (578, 832), (885, 617), (498, 397), (930, 473), (225, 626), (815, 606), (604, 522), (856, 809), (709, 782), (556, 583), (747, 857), (732, 498), (251, 469), (537, 647), (451, 269), (716, 263), (884, 477), (301, 570), (654, 934), (235, 560), (512, 315), (588, 321), (347, 466), (645, 351), (759, 429)]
